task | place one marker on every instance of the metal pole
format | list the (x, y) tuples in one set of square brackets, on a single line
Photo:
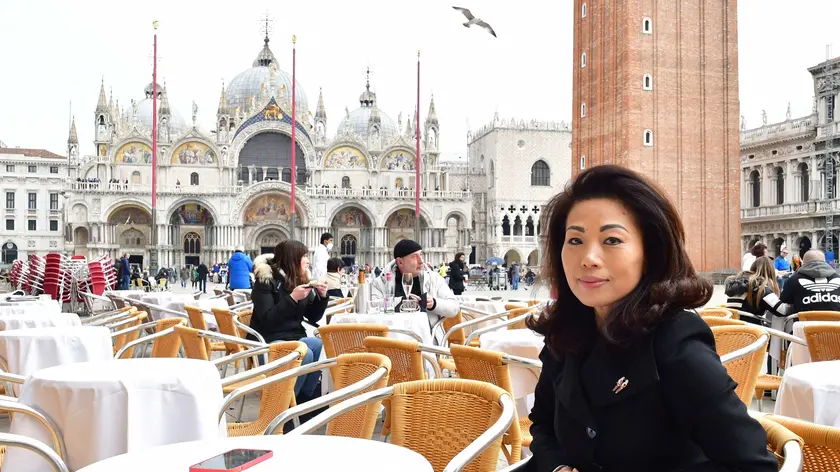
[(153, 253), (294, 134)]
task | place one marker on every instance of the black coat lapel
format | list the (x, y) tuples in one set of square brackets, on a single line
[(611, 376), (570, 393)]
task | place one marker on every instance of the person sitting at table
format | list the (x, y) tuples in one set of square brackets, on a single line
[(630, 379), (756, 292), (282, 299), (435, 297), (805, 291), (335, 270)]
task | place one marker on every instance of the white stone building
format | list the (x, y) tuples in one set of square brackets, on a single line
[(231, 186), (516, 167), (32, 184), (789, 174)]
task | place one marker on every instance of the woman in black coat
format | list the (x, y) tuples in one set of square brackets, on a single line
[(631, 380), (456, 274), (283, 298)]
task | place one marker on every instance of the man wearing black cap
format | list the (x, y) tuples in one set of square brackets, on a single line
[(437, 299)]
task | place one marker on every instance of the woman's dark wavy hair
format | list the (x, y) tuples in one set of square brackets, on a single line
[(669, 282)]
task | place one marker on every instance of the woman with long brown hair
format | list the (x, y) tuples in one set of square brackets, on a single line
[(630, 378), (283, 298)]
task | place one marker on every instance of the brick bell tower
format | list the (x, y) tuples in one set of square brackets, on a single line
[(656, 90)]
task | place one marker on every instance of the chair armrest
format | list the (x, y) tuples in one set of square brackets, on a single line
[(487, 329), (249, 374), (143, 340), (518, 466), (320, 402), (745, 351), (522, 362), (793, 457), (12, 378), (785, 336), (240, 305), (256, 351), (407, 332), (46, 421), (248, 329), (433, 361), (16, 440), (262, 383), (110, 319), (149, 324), (340, 409), (471, 322)]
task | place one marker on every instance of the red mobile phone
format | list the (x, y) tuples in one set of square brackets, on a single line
[(235, 460)]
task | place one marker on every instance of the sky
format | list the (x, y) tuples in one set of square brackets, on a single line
[(54, 52)]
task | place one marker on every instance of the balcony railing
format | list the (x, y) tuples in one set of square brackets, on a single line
[(813, 208), (828, 130), (104, 187), (383, 193), (519, 239), (32, 211)]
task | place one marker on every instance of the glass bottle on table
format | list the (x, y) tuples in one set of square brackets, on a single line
[(390, 288)]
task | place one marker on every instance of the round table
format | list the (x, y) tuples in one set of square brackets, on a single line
[(28, 307), (36, 319), (522, 343), (109, 408), (25, 351), (290, 453), (811, 392)]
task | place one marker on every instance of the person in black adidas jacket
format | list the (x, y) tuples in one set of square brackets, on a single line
[(814, 287)]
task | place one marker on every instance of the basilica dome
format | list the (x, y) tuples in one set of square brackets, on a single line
[(359, 118), (248, 84), (177, 124)]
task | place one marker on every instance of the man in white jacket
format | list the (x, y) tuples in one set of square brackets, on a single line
[(321, 256), (408, 259)]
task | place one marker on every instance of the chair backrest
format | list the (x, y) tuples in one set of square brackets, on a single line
[(487, 366), (276, 398), (718, 321), (244, 317), (745, 370), (347, 338), (169, 345), (777, 437), (715, 311), (124, 339), (194, 345), (821, 449), (518, 312), (352, 368), (440, 418), (458, 336), (819, 316), (197, 321), (405, 356), (823, 341), (224, 320)]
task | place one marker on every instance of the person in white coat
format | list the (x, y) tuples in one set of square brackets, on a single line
[(321, 256), (440, 302)]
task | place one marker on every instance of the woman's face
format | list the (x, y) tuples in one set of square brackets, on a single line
[(603, 254), (304, 263), (462, 258)]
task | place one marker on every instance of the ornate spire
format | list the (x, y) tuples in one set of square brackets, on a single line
[(409, 129), (431, 118), (164, 108), (321, 111), (111, 101), (224, 108), (265, 57), (74, 138), (367, 98), (102, 104)]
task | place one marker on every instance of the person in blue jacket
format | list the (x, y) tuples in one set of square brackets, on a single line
[(125, 272), (239, 268)]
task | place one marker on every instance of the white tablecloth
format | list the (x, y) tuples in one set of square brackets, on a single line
[(25, 351), (38, 320), (417, 323), (291, 453), (22, 308), (110, 408), (811, 392)]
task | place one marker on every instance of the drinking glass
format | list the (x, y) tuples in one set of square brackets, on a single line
[(375, 305), (410, 306), (408, 284)]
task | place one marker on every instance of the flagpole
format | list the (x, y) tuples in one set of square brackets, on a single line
[(417, 153), (294, 134), (153, 255)]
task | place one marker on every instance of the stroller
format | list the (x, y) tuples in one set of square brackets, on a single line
[(497, 279)]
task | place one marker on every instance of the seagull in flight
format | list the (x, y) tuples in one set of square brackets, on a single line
[(472, 20)]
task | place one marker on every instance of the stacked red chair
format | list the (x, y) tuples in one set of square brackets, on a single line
[(18, 273), (96, 283), (34, 281)]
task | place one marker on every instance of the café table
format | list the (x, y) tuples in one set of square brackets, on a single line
[(290, 453), (108, 408), (33, 306), (522, 343), (36, 319), (811, 392)]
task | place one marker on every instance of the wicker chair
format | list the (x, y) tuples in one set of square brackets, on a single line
[(197, 322), (48, 454), (819, 316), (406, 365), (715, 311), (786, 445), (521, 324), (821, 447), (57, 455), (277, 397), (720, 321), (348, 338), (167, 342), (121, 340), (355, 374), (440, 419), (823, 341), (743, 369), (488, 366), (224, 320)]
